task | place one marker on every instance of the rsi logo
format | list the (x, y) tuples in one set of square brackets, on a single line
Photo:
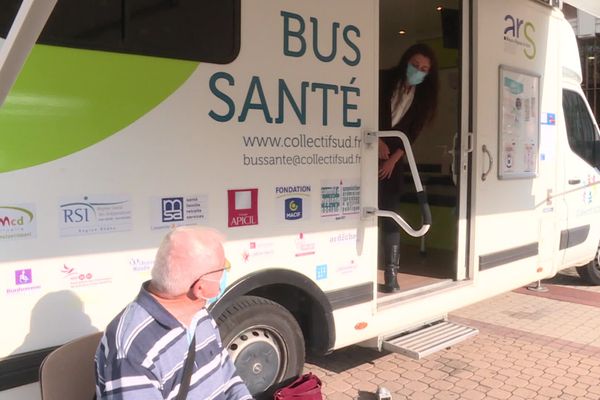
[(83, 212), (16, 217), (513, 31), (76, 215)]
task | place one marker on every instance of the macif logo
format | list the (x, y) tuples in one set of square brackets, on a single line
[(293, 208), (14, 216), (516, 30)]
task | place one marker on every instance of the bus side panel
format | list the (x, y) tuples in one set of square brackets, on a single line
[(265, 149)]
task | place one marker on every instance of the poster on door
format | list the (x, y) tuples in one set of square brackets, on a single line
[(518, 147)]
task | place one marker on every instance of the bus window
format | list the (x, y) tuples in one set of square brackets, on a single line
[(207, 31), (581, 132), (8, 11)]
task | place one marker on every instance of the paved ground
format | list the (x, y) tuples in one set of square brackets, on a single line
[(530, 346)]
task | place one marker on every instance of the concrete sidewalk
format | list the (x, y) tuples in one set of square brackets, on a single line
[(530, 346)]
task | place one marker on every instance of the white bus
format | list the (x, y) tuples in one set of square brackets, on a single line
[(260, 119)]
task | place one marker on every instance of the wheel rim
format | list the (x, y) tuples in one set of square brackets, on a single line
[(260, 357)]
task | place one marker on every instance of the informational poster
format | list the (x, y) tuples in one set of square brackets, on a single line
[(340, 199), (518, 143)]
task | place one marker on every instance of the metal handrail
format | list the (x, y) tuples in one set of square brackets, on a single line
[(369, 139)]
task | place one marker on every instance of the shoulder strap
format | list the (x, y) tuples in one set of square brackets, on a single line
[(187, 371)]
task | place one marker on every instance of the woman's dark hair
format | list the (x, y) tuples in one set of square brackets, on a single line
[(426, 93)]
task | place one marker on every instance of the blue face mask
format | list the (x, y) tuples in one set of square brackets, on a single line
[(414, 76), (222, 287)]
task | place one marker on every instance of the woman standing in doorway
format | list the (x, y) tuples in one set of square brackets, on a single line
[(407, 101)]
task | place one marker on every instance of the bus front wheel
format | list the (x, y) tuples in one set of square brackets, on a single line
[(264, 341), (591, 271)]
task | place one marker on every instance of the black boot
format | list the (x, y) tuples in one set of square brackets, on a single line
[(390, 281)]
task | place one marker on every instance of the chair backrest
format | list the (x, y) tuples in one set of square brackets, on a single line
[(68, 372)]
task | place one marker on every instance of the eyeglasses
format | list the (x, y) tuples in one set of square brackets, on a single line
[(226, 267)]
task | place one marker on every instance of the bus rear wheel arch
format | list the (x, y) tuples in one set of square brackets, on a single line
[(264, 341)]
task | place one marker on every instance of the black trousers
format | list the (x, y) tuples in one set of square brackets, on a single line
[(390, 195)]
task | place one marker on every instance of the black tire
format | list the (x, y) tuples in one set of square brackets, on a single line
[(264, 341), (591, 271)]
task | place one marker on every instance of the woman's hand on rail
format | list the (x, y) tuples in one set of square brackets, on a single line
[(384, 150)]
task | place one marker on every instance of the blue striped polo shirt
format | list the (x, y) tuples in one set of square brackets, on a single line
[(143, 351)]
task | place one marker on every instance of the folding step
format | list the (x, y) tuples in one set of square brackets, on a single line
[(429, 339)]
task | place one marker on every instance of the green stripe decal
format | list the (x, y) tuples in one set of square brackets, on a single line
[(66, 100)]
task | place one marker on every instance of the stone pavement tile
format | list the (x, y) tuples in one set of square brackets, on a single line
[(421, 396), (472, 395), (550, 392), (338, 385), (492, 383), (588, 380), (575, 391), (366, 387), (467, 384), (431, 391), (427, 380), (376, 381), (390, 376), (499, 394), (351, 380), (446, 395), (416, 386), (413, 375), (524, 393), (441, 385), (517, 382), (394, 387), (339, 396)]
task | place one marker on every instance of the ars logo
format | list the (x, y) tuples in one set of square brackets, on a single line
[(243, 207)]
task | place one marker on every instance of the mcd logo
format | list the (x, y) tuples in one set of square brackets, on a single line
[(243, 207)]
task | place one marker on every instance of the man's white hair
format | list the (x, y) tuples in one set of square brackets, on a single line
[(185, 254)]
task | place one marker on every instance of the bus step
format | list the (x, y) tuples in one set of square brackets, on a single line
[(429, 339)]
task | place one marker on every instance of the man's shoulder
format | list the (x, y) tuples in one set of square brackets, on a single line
[(126, 328)]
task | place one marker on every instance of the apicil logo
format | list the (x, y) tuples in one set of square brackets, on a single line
[(243, 207), (520, 32), (293, 208), (172, 209)]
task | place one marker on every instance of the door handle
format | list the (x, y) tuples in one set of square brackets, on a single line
[(574, 181), (491, 162)]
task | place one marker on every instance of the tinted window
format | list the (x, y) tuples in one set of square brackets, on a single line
[(92, 24), (581, 132), (206, 30), (184, 28), (8, 11)]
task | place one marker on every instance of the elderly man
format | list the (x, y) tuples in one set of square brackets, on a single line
[(144, 351)]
